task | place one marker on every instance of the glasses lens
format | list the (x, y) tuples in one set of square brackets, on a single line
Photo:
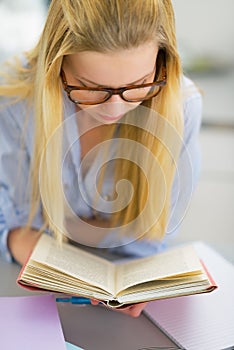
[(141, 93), (88, 96)]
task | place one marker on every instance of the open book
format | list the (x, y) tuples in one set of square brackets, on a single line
[(73, 271)]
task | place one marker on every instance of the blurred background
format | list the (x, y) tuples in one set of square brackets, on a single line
[(205, 33)]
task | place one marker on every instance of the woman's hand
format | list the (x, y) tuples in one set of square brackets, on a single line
[(21, 243), (133, 310)]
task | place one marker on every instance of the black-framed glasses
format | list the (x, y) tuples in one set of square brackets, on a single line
[(133, 93)]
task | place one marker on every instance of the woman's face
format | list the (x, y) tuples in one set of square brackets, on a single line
[(115, 69)]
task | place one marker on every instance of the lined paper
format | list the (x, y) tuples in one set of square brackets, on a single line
[(204, 321)]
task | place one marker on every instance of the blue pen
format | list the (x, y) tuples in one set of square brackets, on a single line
[(74, 300)]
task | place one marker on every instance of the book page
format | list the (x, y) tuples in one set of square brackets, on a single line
[(75, 262), (174, 262)]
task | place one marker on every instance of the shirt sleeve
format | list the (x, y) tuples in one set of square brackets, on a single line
[(189, 162), (14, 177)]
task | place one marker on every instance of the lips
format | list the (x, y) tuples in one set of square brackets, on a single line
[(106, 117)]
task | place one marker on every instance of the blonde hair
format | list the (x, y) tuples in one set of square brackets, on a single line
[(104, 26)]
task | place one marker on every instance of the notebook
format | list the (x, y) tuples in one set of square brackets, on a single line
[(30, 322), (205, 321)]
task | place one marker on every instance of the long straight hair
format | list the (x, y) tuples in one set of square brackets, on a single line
[(74, 26)]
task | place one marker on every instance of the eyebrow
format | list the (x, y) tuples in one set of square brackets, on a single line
[(100, 85)]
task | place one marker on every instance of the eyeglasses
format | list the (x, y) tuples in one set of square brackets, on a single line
[(133, 93)]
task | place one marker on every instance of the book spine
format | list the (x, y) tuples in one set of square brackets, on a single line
[(213, 284)]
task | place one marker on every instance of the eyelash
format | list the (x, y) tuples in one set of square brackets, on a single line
[(82, 84)]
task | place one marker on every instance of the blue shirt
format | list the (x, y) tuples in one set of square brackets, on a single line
[(14, 208)]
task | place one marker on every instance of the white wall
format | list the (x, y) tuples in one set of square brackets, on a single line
[(206, 26), (205, 32), (21, 23)]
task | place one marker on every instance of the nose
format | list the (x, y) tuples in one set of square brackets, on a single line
[(115, 98), (115, 106)]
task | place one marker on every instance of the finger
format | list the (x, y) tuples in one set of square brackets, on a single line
[(133, 310), (137, 309)]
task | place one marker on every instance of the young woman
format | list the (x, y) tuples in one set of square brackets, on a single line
[(105, 72)]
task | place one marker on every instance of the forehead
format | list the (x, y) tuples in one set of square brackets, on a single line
[(113, 68)]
